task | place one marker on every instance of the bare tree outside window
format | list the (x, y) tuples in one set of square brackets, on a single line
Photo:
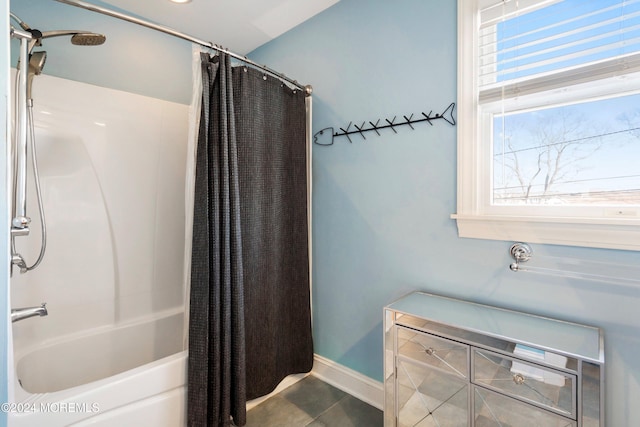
[(576, 154)]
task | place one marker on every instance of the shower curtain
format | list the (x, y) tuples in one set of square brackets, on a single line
[(250, 319)]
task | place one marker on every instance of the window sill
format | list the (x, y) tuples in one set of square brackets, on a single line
[(588, 232)]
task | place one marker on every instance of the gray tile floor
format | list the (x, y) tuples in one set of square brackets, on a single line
[(313, 403)]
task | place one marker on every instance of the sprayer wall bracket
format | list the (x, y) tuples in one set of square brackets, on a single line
[(15, 232)]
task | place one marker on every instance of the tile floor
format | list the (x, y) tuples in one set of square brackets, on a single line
[(313, 403)]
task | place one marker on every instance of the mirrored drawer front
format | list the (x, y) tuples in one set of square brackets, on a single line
[(446, 355), (554, 390), (495, 410), (428, 397)]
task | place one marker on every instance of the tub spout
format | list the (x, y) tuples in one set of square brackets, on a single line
[(26, 312)]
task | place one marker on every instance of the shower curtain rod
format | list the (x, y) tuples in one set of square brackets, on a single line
[(88, 6)]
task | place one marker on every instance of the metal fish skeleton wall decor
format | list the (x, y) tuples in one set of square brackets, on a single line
[(327, 135)]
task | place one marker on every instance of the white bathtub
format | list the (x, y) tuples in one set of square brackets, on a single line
[(122, 376), (126, 376)]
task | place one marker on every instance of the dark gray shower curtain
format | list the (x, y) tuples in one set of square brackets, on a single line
[(250, 320)]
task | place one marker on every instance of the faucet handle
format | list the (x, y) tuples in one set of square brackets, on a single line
[(21, 222)]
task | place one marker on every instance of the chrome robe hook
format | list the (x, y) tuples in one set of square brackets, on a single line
[(520, 252)]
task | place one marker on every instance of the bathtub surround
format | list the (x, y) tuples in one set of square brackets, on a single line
[(250, 321), (104, 155)]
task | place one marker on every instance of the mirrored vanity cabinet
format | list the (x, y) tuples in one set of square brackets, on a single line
[(455, 363)]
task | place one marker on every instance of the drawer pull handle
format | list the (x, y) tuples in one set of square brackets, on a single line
[(432, 352), (518, 379)]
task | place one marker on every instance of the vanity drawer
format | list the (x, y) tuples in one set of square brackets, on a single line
[(542, 386), (430, 397), (493, 409), (445, 355)]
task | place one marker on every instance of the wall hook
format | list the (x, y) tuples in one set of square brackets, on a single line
[(391, 124), (324, 137), (520, 252)]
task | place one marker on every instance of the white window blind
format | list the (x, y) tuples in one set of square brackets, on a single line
[(529, 45)]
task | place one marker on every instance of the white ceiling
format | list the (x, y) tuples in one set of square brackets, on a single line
[(238, 25)]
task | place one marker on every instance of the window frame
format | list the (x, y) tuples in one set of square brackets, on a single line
[(614, 228)]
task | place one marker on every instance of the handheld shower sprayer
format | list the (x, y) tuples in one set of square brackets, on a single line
[(36, 64), (30, 65)]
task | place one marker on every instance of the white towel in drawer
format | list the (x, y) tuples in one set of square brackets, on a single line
[(543, 375)]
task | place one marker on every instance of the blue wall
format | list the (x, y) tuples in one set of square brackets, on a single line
[(381, 207)]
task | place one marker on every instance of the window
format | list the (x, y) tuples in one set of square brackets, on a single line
[(549, 121)]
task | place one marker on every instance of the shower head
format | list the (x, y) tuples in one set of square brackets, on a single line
[(88, 39), (82, 38), (78, 38)]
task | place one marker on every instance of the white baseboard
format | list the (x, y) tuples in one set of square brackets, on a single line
[(352, 382), (349, 381)]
